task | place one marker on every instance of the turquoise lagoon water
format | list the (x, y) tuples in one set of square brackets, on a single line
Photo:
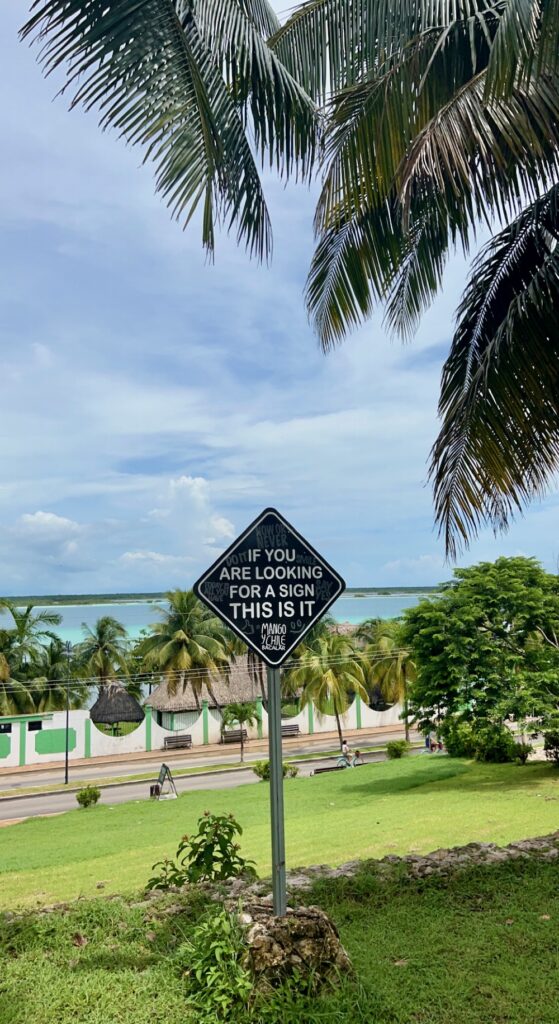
[(137, 615)]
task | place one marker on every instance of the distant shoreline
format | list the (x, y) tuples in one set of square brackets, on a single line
[(47, 600)]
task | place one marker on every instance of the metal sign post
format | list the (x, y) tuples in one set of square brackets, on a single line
[(276, 791), (270, 587)]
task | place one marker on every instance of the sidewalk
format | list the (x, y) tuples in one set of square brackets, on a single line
[(212, 750)]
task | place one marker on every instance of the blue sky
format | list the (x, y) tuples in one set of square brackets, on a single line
[(153, 404)]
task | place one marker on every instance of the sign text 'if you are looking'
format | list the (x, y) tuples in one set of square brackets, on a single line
[(270, 586)]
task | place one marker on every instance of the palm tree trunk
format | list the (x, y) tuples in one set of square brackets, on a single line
[(406, 724)]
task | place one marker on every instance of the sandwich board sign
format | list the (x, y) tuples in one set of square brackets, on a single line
[(166, 779), (270, 587)]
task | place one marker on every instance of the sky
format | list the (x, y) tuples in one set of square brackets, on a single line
[(153, 403)]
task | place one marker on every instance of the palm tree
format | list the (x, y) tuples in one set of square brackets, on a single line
[(387, 663), (197, 87), (241, 715), (441, 117), (103, 651), (438, 117), (28, 632), (51, 678), (328, 673), (189, 645)]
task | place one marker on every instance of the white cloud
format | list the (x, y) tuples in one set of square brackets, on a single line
[(45, 529), (154, 558)]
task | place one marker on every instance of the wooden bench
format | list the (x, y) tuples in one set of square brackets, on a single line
[(331, 768), (172, 742), (291, 729), (233, 735)]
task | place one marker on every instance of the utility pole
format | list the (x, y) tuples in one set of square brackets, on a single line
[(68, 652)]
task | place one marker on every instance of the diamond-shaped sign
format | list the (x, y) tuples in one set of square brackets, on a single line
[(270, 587)]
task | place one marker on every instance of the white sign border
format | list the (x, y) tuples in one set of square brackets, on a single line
[(199, 582)]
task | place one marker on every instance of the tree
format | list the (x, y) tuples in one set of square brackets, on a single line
[(189, 645), (28, 632), (241, 715), (387, 662), (52, 677), (197, 87), (479, 646), (103, 651), (329, 673), (437, 117)]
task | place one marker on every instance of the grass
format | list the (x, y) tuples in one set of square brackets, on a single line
[(479, 947), (417, 804)]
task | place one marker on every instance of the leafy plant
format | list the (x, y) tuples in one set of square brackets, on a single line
[(494, 743), (396, 749), (522, 752), (262, 770), (551, 745), (211, 854), (458, 738), (219, 986), (88, 796)]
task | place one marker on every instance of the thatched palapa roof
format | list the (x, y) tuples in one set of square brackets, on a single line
[(114, 705), (238, 685)]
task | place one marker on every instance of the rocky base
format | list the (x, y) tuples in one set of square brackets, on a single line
[(305, 941)]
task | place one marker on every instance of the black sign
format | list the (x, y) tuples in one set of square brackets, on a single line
[(270, 587)]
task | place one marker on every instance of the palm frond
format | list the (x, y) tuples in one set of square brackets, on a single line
[(499, 442), (149, 72), (284, 118), (526, 45)]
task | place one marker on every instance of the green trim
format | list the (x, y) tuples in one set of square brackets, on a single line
[(358, 711), (148, 728), (311, 718), (22, 742), (259, 717), (87, 738), (5, 744), (205, 723), (14, 719)]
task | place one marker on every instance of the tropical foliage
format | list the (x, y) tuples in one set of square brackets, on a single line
[(328, 673), (387, 662), (425, 120), (482, 647), (104, 649), (188, 645), (239, 715)]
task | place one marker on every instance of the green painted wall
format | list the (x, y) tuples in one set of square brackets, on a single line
[(5, 744), (87, 738), (148, 728), (259, 716), (22, 739), (205, 723), (358, 710), (53, 741)]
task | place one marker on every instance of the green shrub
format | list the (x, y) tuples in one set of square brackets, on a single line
[(212, 854), (219, 985), (262, 770), (551, 745), (495, 744), (458, 738), (397, 748), (88, 795), (522, 752)]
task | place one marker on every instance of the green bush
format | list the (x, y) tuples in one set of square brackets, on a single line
[(219, 985), (397, 748), (495, 744), (458, 738), (551, 745), (212, 854), (522, 752), (262, 770), (88, 795)]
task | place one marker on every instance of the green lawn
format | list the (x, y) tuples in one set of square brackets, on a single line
[(417, 804), (479, 947)]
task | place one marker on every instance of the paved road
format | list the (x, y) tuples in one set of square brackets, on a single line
[(31, 806), (89, 773)]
